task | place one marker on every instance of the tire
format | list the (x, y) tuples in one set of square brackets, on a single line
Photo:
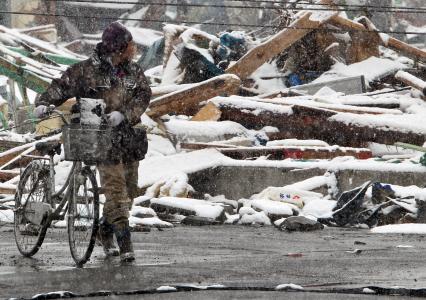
[(30, 228), (83, 215)]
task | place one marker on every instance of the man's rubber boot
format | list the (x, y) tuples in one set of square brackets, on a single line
[(122, 233), (106, 238)]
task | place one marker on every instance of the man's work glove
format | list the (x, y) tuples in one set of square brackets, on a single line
[(40, 111), (115, 118)]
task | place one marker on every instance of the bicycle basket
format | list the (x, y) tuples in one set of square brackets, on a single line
[(88, 144)]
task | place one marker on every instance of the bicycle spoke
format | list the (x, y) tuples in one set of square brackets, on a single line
[(28, 226), (83, 217)]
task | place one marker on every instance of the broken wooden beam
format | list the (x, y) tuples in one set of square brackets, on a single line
[(385, 40), (412, 81), (7, 189), (186, 101), (15, 157), (7, 156), (329, 106), (283, 152), (304, 122), (260, 54), (158, 91), (6, 175)]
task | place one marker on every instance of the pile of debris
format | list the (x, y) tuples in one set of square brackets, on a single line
[(325, 93)]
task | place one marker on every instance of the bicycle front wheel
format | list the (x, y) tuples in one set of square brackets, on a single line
[(83, 215), (31, 208)]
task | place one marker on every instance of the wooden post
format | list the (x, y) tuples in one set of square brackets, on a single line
[(385, 40)]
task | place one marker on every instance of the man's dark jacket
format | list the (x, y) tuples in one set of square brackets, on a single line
[(124, 88)]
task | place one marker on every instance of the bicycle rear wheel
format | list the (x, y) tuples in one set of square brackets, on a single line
[(83, 215), (31, 208)]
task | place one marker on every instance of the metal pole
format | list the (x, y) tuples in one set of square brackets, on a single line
[(12, 101)]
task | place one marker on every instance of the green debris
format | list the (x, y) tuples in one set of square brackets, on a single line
[(62, 60), (422, 160), (3, 121)]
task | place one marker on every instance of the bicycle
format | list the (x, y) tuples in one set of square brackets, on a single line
[(38, 204)]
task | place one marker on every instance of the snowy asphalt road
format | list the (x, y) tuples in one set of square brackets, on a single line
[(234, 256)]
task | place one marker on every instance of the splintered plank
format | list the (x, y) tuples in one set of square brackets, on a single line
[(260, 54), (186, 101)]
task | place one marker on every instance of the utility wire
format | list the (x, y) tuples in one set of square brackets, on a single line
[(206, 23), (258, 1), (325, 4), (417, 11), (201, 23)]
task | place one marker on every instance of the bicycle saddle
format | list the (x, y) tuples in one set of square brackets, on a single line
[(50, 148)]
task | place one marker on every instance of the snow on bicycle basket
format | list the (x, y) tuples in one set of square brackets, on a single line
[(87, 138)]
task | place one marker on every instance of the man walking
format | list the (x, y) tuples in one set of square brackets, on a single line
[(110, 74)]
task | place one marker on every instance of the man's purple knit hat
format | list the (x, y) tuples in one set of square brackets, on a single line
[(116, 37)]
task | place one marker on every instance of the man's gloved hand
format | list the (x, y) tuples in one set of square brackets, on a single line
[(40, 111), (115, 118)]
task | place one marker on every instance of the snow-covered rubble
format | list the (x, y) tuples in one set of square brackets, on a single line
[(196, 207), (372, 68), (192, 131), (242, 123)]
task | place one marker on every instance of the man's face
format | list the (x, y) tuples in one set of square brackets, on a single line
[(130, 51)]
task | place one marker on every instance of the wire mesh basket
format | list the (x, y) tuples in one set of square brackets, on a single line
[(89, 144)]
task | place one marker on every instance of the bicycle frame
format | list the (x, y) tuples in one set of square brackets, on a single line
[(53, 196), (59, 212)]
